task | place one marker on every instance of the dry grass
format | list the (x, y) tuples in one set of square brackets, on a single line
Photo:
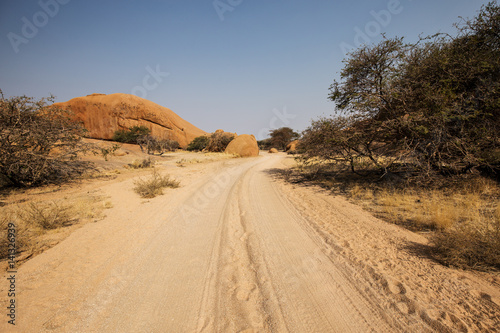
[(461, 219), (154, 185), (465, 227), (204, 158), (35, 222), (145, 163), (46, 216)]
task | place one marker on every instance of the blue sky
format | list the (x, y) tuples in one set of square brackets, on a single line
[(245, 66)]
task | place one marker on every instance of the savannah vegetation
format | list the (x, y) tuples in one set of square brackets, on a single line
[(150, 144), (154, 185), (416, 137), (39, 144), (37, 221), (278, 138), (215, 143)]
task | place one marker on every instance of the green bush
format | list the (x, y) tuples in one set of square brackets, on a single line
[(199, 143), (131, 135)]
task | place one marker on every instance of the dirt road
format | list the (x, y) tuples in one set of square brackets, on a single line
[(232, 250)]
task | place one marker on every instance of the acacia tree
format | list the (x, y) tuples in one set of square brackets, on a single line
[(434, 103), (451, 89), (38, 143), (282, 136), (368, 100)]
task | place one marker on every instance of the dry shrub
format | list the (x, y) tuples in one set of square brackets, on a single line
[(154, 185), (470, 246), (466, 225), (47, 215), (145, 163), (21, 233), (34, 220)]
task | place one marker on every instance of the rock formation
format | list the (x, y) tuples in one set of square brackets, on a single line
[(273, 151), (102, 115), (243, 145), (292, 146)]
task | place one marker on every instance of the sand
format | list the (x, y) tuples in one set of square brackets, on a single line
[(236, 250)]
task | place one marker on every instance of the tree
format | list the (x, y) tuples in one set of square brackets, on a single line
[(434, 104), (199, 143), (219, 141), (39, 143), (282, 136)]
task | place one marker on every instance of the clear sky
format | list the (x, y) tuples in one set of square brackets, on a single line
[(245, 66)]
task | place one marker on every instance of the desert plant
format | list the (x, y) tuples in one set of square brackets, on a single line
[(107, 151), (219, 141), (153, 145), (39, 143), (199, 143), (145, 163), (12, 235), (467, 246), (47, 215), (154, 185), (432, 105), (131, 134)]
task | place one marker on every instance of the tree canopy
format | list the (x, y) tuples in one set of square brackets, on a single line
[(434, 104)]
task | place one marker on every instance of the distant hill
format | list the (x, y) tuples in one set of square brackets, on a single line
[(102, 115)]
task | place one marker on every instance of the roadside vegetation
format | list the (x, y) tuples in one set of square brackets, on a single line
[(37, 222), (141, 135), (39, 144), (279, 139), (416, 137), (154, 185)]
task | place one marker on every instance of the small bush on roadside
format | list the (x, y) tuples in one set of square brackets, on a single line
[(145, 163), (154, 185), (47, 216), (107, 151), (20, 238)]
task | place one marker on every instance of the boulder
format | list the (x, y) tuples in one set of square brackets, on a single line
[(273, 151), (102, 115), (292, 146), (243, 145)]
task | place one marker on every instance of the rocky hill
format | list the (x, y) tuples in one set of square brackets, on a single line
[(102, 115)]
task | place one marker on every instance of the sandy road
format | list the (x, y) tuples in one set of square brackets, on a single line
[(227, 252)]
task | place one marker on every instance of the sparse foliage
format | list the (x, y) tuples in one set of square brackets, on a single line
[(145, 163), (47, 215), (39, 143), (154, 185), (107, 151), (153, 145)]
